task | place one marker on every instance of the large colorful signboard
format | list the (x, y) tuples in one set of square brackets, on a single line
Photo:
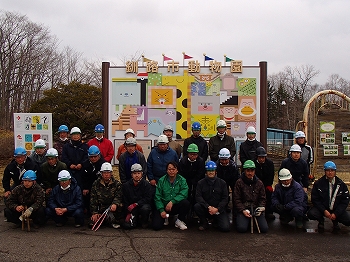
[(29, 127), (146, 98)]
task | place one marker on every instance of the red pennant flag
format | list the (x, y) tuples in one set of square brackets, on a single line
[(165, 58), (187, 56)]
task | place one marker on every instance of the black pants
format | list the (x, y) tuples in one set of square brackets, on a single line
[(222, 219), (38, 216), (182, 208), (315, 214), (140, 211)]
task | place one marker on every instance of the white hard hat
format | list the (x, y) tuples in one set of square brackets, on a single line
[(63, 175), (284, 174), (40, 143), (221, 123), (224, 153), (295, 148), (75, 130), (129, 130), (52, 152), (168, 127), (163, 139), (299, 134), (251, 130), (136, 168), (130, 141), (106, 167)]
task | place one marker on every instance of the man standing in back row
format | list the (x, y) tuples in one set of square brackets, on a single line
[(221, 140)]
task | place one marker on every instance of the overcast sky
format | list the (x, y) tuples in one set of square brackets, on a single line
[(281, 32)]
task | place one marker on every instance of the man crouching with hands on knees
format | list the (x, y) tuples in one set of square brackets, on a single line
[(249, 199), (212, 198)]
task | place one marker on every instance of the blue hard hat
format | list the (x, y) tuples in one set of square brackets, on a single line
[(29, 175), (99, 128), (196, 126), (20, 151), (93, 151), (329, 165), (210, 166), (63, 128)]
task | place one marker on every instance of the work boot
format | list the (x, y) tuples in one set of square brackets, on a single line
[(299, 223), (284, 220), (336, 227), (320, 226)]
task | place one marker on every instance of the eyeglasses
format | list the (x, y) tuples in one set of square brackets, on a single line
[(172, 169)]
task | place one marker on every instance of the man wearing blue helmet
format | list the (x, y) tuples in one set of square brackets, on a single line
[(27, 198), (330, 198), (104, 144), (212, 199), (90, 172), (15, 170), (197, 139), (62, 139)]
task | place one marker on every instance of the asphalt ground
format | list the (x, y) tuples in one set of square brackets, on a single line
[(281, 243)]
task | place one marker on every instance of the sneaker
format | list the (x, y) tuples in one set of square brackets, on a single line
[(116, 226), (180, 224)]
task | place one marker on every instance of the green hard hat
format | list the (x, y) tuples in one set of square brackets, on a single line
[(249, 164), (192, 148)]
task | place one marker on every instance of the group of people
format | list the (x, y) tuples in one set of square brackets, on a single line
[(75, 179)]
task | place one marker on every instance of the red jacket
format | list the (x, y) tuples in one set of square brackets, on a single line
[(105, 146)]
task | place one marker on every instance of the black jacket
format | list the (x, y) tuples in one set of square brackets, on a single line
[(299, 170), (202, 146), (265, 172), (192, 171), (12, 172), (216, 143), (90, 172), (247, 150), (212, 193), (228, 173), (141, 194), (320, 196)]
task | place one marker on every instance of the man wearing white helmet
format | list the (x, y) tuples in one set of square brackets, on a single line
[(65, 201), (122, 148), (106, 192), (137, 198), (158, 159), (221, 140), (74, 153), (297, 166), (168, 131), (130, 157), (38, 155), (248, 147), (104, 144), (306, 151), (288, 199), (50, 170), (227, 171)]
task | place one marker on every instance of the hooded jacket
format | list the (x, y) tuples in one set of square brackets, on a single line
[(71, 198), (291, 197)]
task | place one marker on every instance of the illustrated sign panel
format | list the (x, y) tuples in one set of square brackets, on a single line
[(147, 99), (29, 127)]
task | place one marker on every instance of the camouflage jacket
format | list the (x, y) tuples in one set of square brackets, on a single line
[(102, 195), (31, 197)]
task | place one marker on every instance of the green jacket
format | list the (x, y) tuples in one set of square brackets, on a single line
[(166, 192)]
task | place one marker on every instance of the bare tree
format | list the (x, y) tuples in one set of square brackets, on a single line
[(26, 50)]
